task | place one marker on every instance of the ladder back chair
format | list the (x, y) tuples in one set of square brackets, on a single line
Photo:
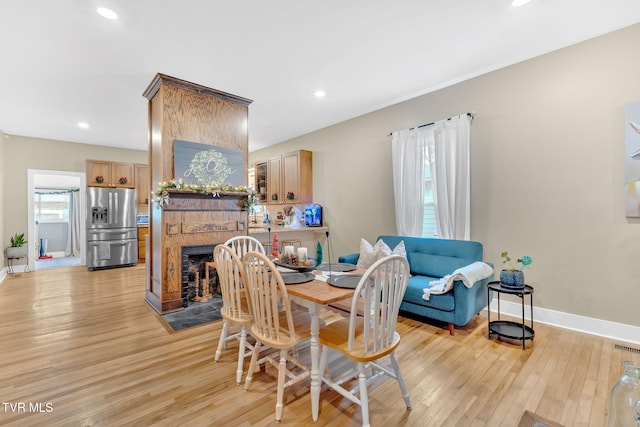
[(243, 244), (234, 304), (275, 324), (369, 334)]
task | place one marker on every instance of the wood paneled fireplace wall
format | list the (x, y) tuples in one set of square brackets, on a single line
[(189, 112)]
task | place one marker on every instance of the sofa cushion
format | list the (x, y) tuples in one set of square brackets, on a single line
[(435, 265), (415, 290)]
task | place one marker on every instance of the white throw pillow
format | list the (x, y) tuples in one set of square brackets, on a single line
[(400, 249), (370, 254)]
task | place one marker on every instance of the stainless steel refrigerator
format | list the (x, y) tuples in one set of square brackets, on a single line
[(112, 238)]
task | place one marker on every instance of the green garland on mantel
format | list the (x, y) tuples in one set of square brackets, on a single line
[(176, 185)]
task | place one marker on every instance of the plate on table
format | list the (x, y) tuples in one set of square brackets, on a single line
[(295, 278), (349, 281), (340, 267), (298, 268)]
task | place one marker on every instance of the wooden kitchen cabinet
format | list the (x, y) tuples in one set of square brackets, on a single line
[(111, 173), (142, 232), (260, 176), (289, 178), (274, 187), (142, 185)]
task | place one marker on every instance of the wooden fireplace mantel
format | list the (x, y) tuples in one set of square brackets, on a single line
[(190, 201)]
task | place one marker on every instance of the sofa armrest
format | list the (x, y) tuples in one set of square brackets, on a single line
[(349, 258), (470, 301)]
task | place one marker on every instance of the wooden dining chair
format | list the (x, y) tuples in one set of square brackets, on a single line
[(234, 304), (275, 324), (243, 244), (369, 334)]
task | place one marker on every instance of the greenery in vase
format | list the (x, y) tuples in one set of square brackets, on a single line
[(524, 261), (252, 201), (18, 240)]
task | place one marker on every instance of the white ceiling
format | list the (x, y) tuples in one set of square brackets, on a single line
[(61, 63)]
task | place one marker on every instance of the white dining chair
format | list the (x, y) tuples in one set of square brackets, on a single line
[(275, 324), (369, 334), (243, 244), (234, 309)]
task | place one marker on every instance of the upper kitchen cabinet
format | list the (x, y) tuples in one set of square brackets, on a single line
[(274, 181), (289, 178), (101, 173), (260, 181), (142, 184)]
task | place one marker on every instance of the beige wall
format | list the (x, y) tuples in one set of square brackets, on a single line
[(547, 178), (3, 243), (23, 153)]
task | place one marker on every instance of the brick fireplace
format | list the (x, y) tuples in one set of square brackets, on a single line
[(195, 262), (192, 225)]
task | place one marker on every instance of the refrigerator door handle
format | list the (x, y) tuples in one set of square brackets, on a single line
[(117, 206), (109, 212)]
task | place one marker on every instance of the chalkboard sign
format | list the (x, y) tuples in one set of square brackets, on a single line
[(207, 164)]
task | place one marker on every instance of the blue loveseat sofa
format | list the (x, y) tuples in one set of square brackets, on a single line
[(430, 260)]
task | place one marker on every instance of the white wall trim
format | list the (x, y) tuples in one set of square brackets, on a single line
[(59, 254), (574, 322)]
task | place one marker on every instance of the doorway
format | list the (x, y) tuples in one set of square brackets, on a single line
[(55, 180)]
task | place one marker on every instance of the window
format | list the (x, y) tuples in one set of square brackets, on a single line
[(429, 225), (51, 206)]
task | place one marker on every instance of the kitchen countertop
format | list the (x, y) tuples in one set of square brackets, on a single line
[(262, 228)]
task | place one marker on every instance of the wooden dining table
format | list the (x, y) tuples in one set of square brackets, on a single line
[(315, 295)]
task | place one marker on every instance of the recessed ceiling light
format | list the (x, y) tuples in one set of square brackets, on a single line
[(516, 3), (319, 93), (83, 125), (107, 13)]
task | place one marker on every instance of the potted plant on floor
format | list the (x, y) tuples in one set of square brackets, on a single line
[(513, 277), (17, 248)]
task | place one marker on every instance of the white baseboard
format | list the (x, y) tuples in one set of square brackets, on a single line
[(56, 254), (3, 274), (574, 322)]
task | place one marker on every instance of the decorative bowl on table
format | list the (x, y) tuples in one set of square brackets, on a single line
[(299, 268)]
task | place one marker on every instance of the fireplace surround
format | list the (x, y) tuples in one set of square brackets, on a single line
[(195, 261)]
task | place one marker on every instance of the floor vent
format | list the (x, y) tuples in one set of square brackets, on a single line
[(627, 348)]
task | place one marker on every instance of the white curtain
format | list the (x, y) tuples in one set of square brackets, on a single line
[(73, 230), (408, 155), (450, 169)]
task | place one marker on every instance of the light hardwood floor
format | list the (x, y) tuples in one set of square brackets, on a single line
[(87, 348)]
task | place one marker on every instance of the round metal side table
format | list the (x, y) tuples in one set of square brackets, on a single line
[(508, 328)]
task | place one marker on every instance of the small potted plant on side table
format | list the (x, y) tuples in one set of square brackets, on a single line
[(17, 248), (513, 277)]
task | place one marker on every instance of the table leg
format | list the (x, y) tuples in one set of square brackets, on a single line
[(523, 333), (488, 314), (531, 306), (315, 361), (10, 268)]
